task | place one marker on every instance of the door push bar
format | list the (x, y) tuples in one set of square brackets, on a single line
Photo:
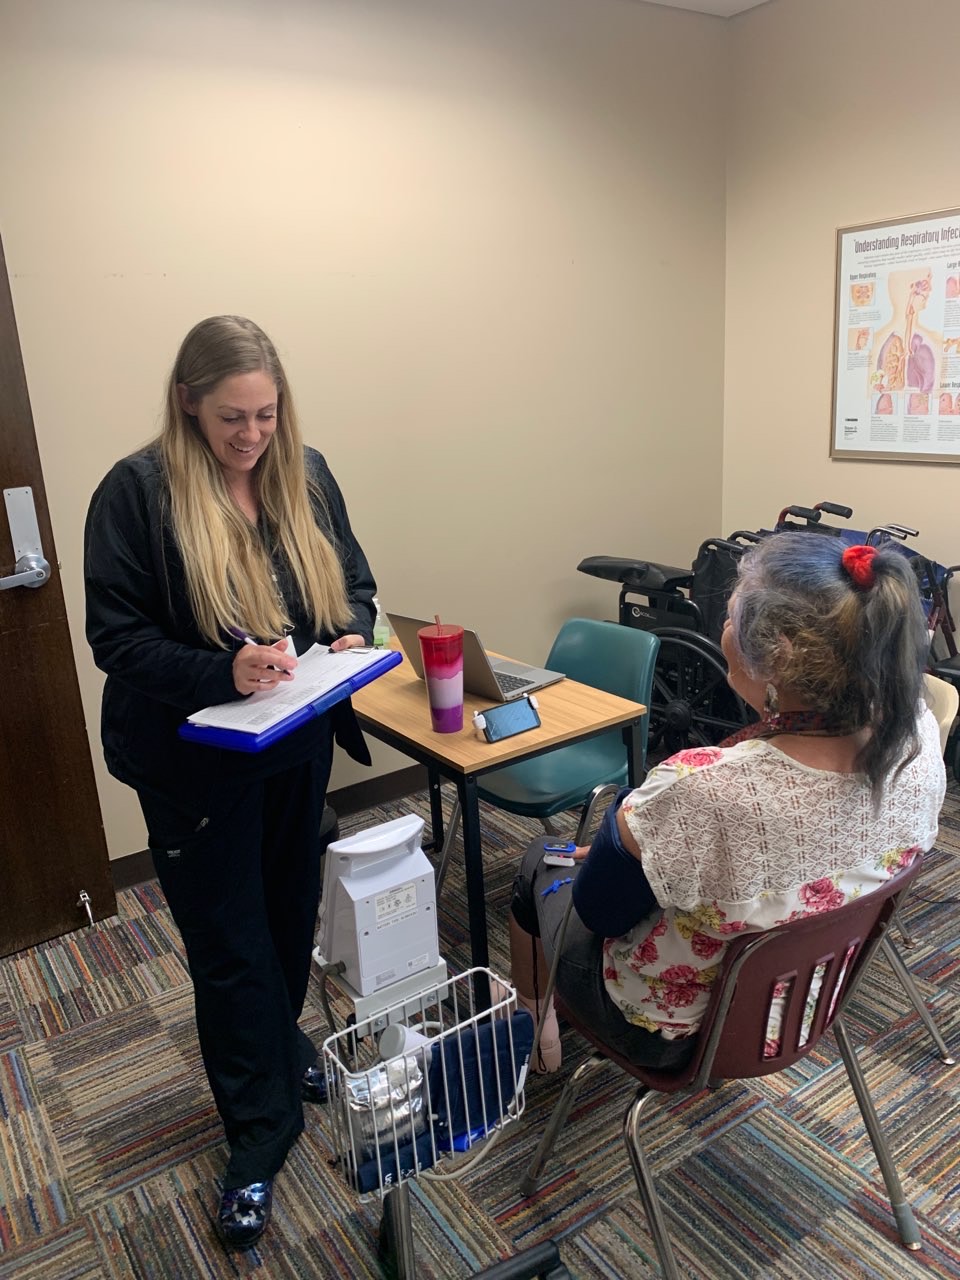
[(31, 569)]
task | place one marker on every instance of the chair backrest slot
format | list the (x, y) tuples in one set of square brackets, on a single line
[(821, 958)]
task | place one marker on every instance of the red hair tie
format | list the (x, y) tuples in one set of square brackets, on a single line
[(858, 562)]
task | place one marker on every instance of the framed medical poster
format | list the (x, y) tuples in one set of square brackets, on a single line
[(896, 351)]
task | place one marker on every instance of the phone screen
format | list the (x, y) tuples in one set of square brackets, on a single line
[(510, 718)]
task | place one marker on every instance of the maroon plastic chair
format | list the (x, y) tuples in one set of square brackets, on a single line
[(732, 1044)]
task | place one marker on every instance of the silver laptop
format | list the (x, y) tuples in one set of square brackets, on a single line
[(493, 678)]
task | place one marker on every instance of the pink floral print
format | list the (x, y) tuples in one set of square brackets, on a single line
[(820, 895), (704, 946), (696, 757), (739, 839)]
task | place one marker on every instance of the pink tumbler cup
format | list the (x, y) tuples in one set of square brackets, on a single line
[(441, 646)]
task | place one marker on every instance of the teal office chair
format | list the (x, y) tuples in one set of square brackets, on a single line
[(608, 656)]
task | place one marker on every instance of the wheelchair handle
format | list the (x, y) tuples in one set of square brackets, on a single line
[(834, 509), (810, 514), (744, 535), (899, 531)]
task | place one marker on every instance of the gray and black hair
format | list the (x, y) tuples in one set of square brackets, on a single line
[(853, 653)]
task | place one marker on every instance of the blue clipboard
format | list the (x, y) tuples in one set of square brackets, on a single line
[(235, 740)]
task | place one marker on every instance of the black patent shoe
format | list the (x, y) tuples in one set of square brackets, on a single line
[(244, 1213), (313, 1084)]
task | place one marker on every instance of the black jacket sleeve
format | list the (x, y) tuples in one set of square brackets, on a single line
[(136, 602), (611, 892)]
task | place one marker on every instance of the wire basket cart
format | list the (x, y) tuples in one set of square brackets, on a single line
[(434, 1108)]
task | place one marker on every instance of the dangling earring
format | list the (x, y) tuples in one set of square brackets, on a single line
[(771, 703)]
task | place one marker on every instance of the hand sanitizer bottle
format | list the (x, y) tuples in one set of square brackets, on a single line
[(381, 628)]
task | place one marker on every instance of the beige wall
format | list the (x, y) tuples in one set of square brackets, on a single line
[(842, 112), (478, 232)]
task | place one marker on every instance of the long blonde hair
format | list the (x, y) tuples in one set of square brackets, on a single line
[(228, 568)]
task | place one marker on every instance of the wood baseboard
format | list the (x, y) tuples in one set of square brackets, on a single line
[(135, 868)]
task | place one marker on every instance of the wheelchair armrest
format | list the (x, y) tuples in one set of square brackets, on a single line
[(637, 575), (612, 568)]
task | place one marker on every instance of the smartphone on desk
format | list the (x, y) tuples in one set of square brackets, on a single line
[(508, 718)]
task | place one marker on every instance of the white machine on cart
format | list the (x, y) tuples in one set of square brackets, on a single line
[(378, 916), (428, 1065)]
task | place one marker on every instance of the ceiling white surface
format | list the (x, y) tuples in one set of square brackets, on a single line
[(720, 8)]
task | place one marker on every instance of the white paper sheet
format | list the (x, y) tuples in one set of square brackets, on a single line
[(318, 671)]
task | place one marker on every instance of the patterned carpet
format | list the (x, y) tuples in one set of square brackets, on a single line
[(110, 1145)]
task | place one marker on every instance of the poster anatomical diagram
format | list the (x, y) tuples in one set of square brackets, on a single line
[(897, 358)]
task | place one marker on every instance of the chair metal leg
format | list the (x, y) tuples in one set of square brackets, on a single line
[(906, 1222), (528, 1183), (449, 836), (539, 1262), (895, 960), (550, 827), (605, 792), (906, 937), (646, 1187), (396, 1248)]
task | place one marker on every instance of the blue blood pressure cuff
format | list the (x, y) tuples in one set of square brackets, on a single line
[(473, 1078), (611, 892)]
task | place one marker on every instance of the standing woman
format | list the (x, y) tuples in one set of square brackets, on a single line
[(227, 527)]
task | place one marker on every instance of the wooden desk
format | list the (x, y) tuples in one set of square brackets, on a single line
[(394, 709)]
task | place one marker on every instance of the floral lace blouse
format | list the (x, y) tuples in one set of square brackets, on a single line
[(742, 838)]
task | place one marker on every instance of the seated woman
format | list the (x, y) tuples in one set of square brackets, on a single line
[(832, 792)]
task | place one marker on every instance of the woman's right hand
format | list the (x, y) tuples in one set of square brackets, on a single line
[(257, 668)]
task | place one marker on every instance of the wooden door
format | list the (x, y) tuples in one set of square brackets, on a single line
[(52, 846)]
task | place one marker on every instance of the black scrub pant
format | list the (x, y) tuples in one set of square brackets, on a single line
[(242, 879)]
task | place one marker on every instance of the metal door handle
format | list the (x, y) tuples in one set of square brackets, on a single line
[(31, 569)]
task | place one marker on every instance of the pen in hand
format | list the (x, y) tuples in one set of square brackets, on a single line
[(251, 672)]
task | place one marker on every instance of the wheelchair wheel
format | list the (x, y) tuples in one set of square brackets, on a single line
[(692, 704)]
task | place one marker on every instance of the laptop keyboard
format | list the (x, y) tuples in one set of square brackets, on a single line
[(509, 683)]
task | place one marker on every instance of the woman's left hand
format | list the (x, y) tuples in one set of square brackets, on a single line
[(348, 642)]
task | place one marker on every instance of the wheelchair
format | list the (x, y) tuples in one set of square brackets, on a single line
[(692, 704)]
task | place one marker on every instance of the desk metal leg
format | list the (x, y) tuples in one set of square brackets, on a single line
[(448, 843), (633, 742), (473, 859), (436, 809)]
